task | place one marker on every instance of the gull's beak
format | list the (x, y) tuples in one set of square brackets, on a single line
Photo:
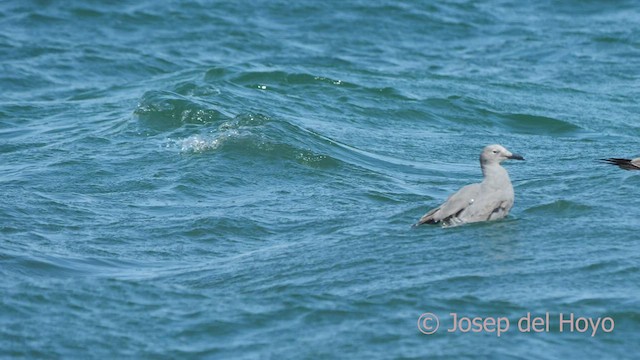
[(515, 157)]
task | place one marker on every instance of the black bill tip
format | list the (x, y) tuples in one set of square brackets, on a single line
[(516, 157)]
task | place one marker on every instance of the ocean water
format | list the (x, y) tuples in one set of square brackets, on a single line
[(238, 179)]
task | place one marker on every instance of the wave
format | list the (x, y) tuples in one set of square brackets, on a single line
[(164, 110), (285, 82), (64, 266), (257, 135), (210, 115), (566, 208), (466, 111), (282, 77), (535, 124), (190, 120)]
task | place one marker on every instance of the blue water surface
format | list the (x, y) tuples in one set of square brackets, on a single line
[(238, 179)]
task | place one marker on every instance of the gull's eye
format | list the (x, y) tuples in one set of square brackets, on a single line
[(495, 151)]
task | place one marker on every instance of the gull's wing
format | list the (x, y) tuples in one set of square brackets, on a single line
[(488, 210), (453, 207), (627, 164)]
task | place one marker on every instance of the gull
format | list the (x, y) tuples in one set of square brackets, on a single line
[(627, 164), (489, 200)]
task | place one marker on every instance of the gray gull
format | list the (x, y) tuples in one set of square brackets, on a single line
[(489, 200)]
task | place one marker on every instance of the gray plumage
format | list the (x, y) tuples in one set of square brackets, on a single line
[(627, 164), (489, 200)]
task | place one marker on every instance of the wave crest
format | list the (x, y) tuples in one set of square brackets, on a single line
[(256, 135), (163, 110)]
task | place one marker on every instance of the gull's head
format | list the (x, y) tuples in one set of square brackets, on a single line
[(495, 154)]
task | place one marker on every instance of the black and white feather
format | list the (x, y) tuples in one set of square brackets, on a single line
[(627, 164)]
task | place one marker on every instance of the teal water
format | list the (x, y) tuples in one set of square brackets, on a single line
[(204, 179)]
